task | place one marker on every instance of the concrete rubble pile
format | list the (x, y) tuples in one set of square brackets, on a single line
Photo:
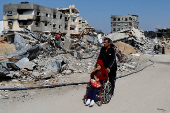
[(41, 63), (128, 35), (133, 37)]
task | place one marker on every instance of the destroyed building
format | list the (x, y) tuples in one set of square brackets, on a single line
[(75, 23), (163, 33), (120, 22), (35, 17), (150, 34), (39, 18), (38, 61)]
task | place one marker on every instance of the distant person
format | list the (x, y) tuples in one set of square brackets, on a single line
[(163, 49), (156, 48), (108, 56), (58, 39)]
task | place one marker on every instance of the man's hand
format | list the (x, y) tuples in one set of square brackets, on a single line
[(108, 70)]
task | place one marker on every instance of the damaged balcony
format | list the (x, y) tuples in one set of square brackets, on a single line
[(12, 17), (25, 17), (25, 14), (25, 23), (73, 29)]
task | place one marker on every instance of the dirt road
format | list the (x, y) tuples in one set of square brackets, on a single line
[(144, 92)]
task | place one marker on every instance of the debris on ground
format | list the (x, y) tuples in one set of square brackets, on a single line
[(37, 61)]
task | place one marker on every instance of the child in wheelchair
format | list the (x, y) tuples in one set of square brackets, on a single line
[(97, 76)]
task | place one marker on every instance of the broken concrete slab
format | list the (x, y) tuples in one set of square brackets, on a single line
[(67, 72), (33, 52), (28, 52), (19, 42), (21, 53), (25, 63), (43, 37), (67, 44), (3, 71), (128, 34), (129, 66), (137, 54), (12, 66), (31, 33), (54, 64)]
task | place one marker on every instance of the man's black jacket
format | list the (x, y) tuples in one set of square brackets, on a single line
[(108, 58)]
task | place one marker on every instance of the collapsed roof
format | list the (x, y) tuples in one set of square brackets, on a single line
[(128, 34)]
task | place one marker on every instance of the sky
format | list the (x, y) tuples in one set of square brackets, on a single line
[(152, 13)]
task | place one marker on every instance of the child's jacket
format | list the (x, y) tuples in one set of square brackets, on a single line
[(102, 73)]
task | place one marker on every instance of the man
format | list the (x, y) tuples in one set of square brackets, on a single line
[(108, 56), (163, 49), (156, 48), (57, 39)]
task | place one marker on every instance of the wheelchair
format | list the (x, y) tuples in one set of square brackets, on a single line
[(104, 93)]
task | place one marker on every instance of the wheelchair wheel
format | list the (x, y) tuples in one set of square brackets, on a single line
[(85, 100), (107, 92), (99, 103)]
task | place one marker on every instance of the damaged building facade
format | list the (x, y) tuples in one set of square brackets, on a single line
[(120, 22), (35, 17), (74, 24), (39, 18)]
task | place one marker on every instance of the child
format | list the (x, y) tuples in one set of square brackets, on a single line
[(99, 74)]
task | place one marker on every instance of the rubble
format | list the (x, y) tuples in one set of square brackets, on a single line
[(19, 42), (129, 66), (24, 63), (125, 48), (130, 35), (38, 61), (28, 51), (4, 71)]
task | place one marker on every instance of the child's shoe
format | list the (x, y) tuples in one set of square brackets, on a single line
[(91, 103), (88, 102)]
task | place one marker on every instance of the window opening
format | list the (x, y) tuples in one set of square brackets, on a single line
[(54, 25), (45, 23), (9, 13), (10, 23), (60, 16), (130, 23), (66, 19), (114, 19), (38, 13), (37, 24), (54, 16)]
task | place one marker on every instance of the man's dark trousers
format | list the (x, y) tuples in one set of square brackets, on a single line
[(112, 79)]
